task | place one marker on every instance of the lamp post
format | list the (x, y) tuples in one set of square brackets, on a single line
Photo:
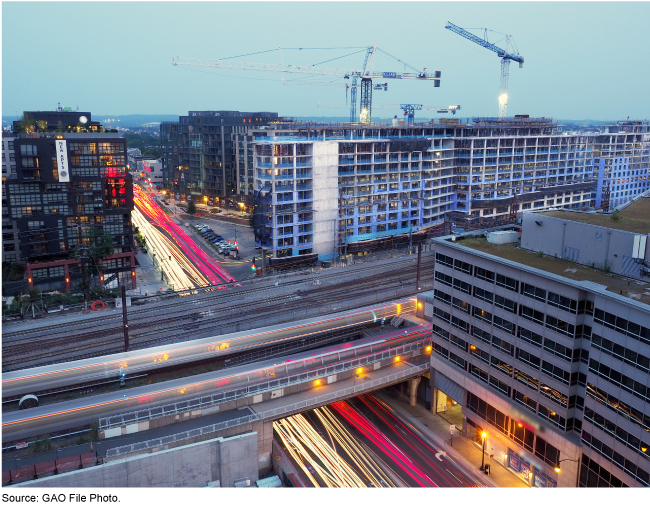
[(483, 437), (557, 468)]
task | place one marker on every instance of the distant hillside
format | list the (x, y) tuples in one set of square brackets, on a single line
[(126, 121)]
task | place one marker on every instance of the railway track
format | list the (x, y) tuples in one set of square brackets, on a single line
[(216, 295), (60, 345)]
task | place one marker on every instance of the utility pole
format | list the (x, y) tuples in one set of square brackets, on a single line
[(419, 263), (125, 320), (410, 240)]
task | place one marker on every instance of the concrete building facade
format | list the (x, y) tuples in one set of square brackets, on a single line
[(555, 370)]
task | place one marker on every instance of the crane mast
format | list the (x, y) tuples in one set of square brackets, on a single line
[(506, 56)]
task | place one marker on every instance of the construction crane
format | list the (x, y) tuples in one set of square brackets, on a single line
[(409, 109), (506, 56), (366, 74), (376, 87)]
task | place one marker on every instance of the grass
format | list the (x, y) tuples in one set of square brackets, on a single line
[(634, 218)]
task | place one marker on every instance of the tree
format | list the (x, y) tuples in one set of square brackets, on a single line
[(42, 125), (60, 127), (98, 246), (191, 207), (26, 123)]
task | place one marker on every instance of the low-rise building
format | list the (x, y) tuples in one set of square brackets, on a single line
[(152, 172)]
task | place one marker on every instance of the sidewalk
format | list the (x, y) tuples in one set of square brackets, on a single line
[(147, 277), (438, 427)]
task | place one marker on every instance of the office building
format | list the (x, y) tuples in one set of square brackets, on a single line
[(68, 190), (547, 354), (386, 181), (204, 154)]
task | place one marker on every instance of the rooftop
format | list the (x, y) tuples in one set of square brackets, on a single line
[(634, 218), (638, 290)]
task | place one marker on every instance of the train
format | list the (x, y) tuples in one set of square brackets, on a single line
[(111, 367), (246, 379)]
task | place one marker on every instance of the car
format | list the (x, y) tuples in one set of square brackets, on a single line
[(201, 226)]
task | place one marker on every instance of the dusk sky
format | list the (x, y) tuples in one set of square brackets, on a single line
[(583, 60)]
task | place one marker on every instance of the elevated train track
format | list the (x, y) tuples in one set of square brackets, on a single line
[(159, 325), (318, 363), (59, 376)]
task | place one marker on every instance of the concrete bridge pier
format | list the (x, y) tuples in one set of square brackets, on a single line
[(264, 445), (413, 390)]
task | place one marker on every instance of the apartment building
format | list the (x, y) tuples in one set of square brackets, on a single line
[(386, 181), (621, 163), (10, 246), (204, 153), (68, 189), (550, 357)]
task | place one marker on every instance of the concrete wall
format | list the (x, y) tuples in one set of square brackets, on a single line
[(326, 195), (195, 465), (583, 243)]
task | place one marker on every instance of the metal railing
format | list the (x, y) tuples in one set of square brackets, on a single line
[(247, 391), (265, 415)]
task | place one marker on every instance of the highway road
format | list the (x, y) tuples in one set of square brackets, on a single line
[(181, 259), (407, 457)]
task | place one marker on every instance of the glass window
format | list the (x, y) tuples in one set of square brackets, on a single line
[(481, 273), (533, 292)]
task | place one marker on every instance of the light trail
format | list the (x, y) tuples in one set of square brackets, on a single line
[(412, 469), (308, 447), (178, 239)]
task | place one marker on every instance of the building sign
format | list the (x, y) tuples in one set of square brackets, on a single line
[(62, 161), (513, 461), (540, 480), (116, 192), (550, 483)]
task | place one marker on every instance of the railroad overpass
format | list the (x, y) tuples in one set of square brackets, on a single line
[(384, 355)]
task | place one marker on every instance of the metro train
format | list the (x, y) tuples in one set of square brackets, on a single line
[(270, 373), (111, 367)]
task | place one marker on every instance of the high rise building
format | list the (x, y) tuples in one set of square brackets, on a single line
[(323, 188), (204, 153), (69, 190), (621, 163), (548, 356)]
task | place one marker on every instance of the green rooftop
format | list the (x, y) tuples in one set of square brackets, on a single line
[(634, 218), (638, 290)]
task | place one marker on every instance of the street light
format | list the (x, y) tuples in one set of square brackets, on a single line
[(557, 468), (483, 437)]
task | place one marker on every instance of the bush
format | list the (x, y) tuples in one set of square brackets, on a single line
[(215, 211)]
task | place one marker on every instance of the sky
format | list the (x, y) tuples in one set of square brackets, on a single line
[(583, 60)]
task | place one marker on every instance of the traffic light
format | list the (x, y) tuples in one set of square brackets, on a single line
[(253, 268)]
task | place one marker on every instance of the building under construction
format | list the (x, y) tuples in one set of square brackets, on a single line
[(330, 188)]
